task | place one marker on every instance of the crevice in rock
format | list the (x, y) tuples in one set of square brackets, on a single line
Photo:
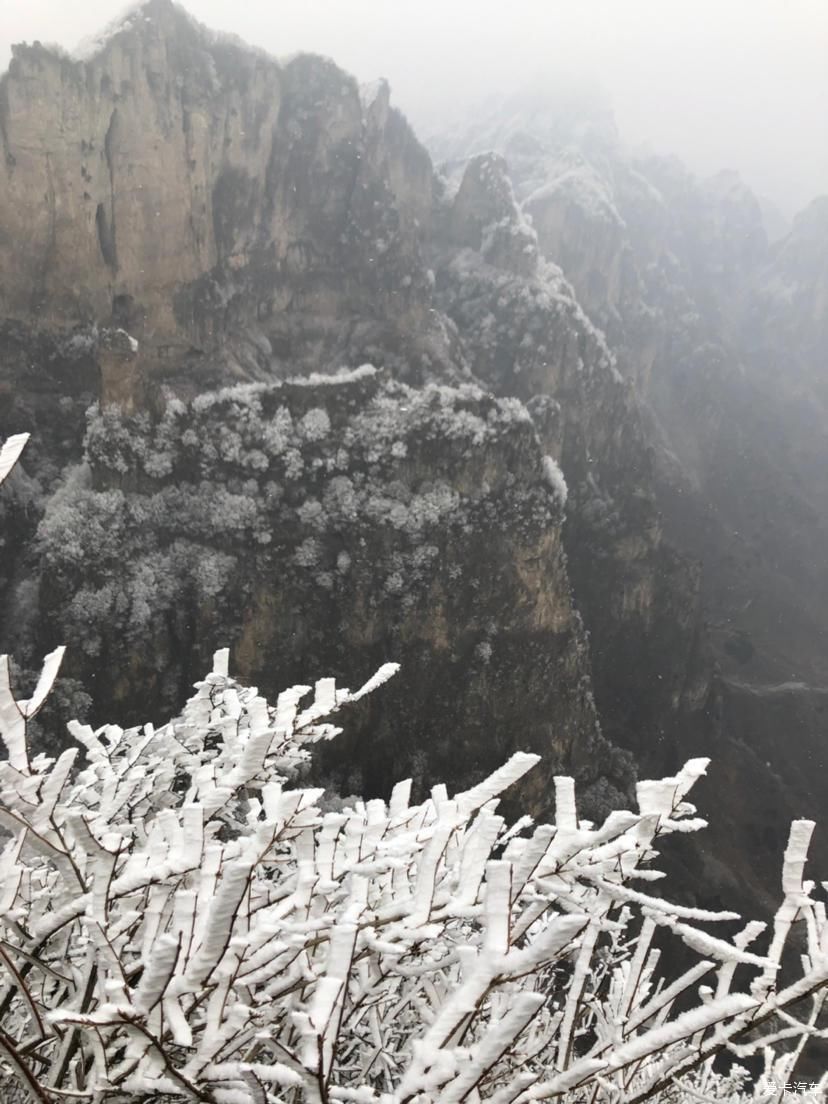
[(106, 237), (105, 224)]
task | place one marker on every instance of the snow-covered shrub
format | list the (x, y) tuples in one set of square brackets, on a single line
[(176, 923)]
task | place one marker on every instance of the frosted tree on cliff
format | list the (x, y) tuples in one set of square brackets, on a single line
[(177, 923)]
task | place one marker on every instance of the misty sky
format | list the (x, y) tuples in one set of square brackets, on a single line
[(723, 83)]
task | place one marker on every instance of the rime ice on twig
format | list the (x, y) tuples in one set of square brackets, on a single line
[(176, 921)]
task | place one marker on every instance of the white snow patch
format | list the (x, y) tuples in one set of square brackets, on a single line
[(555, 478), (133, 343), (342, 375)]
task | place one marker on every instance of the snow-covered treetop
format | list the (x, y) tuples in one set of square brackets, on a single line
[(177, 922), (277, 426)]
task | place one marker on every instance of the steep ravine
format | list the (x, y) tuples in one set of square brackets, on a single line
[(524, 332), (721, 335)]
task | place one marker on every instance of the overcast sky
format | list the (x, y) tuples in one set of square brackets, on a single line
[(723, 83)]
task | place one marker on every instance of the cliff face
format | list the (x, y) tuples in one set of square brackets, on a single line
[(187, 213), (207, 198), (524, 332)]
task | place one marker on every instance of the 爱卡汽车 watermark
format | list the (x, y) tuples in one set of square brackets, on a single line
[(802, 1092)]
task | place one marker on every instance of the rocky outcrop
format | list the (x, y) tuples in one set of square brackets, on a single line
[(244, 219), (484, 217), (324, 527)]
